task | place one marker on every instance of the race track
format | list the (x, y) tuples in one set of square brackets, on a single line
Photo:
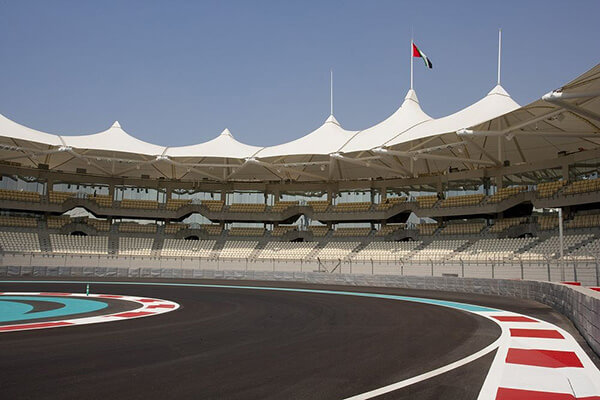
[(225, 343)]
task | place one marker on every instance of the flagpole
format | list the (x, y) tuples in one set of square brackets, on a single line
[(411, 63), (499, 52)]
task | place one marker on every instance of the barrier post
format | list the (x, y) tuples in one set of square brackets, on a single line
[(575, 270), (597, 271), (431, 261)]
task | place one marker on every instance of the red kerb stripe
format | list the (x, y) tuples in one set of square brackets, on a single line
[(34, 326), (543, 358), (109, 296), (132, 314), (161, 306), (520, 394), (55, 294), (147, 300), (536, 333), (518, 318)]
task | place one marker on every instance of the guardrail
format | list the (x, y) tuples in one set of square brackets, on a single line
[(586, 271)]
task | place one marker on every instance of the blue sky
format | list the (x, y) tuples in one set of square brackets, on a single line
[(179, 72)]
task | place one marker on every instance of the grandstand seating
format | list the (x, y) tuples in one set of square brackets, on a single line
[(550, 247), (584, 221), (471, 228), (187, 248), (140, 204), (174, 227), (349, 232), (19, 195), (135, 246), (60, 197), (287, 250), (583, 186), (72, 244), (101, 225), (438, 250), (318, 230), (176, 204), (243, 231), (27, 242), (238, 249), (319, 206), (137, 228), (547, 222), (426, 201), (212, 229), (502, 224), (213, 205), (352, 206), (58, 221), (549, 189), (336, 250), (590, 251), (390, 202), (389, 229), (248, 207), (385, 251), (280, 206), (427, 228), (102, 200), (505, 193), (494, 249), (25, 222), (461, 201), (283, 229)]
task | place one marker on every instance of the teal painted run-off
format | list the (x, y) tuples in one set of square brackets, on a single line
[(13, 310), (444, 303)]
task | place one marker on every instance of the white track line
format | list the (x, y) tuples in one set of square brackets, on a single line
[(149, 307)]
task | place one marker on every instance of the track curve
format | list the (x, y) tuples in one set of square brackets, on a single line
[(225, 343)]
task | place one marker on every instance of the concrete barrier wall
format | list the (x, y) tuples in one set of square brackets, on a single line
[(580, 305)]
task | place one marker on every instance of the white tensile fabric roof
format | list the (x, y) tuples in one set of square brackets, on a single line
[(326, 139), (406, 144), (224, 145)]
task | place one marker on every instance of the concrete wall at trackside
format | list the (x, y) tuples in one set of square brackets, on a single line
[(580, 305)]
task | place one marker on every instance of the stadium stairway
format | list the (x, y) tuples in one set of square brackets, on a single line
[(462, 248), (216, 251), (357, 249), (313, 254), (44, 237), (113, 240), (258, 249), (157, 244)]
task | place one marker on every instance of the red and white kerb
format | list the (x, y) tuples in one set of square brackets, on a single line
[(149, 307)]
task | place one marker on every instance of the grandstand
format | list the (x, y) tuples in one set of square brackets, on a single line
[(482, 184)]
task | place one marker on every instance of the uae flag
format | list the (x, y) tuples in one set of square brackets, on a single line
[(418, 53)]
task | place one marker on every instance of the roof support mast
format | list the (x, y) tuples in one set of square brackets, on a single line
[(499, 52), (331, 92)]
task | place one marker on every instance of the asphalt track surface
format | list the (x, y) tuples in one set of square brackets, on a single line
[(248, 344)]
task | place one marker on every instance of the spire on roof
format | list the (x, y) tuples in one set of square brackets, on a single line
[(412, 96), (116, 125), (331, 119), (226, 133), (498, 89)]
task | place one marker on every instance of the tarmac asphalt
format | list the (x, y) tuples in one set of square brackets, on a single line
[(245, 344)]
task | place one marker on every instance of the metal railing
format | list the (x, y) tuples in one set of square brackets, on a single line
[(585, 270)]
